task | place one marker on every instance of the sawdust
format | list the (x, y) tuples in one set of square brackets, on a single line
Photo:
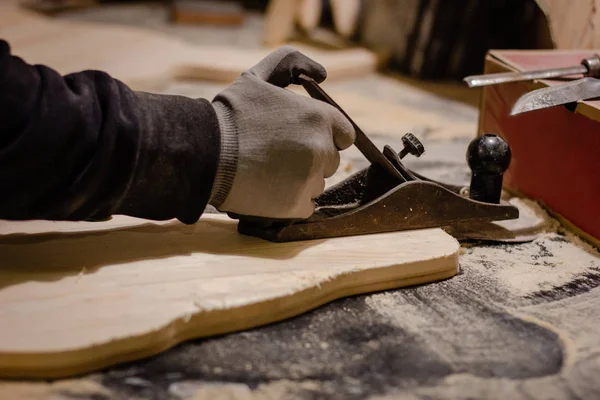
[(214, 391), (189, 390), (397, 311), (536, 297), (577, 240), (525, 269), (59, 390), (464, 386), (534, 213), (459, 330)]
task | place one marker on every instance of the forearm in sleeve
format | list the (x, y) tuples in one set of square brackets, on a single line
[(85, 146)]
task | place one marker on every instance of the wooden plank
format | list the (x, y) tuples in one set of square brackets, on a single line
[(146, 59), (226, 65), (76, 297), (54, 6), (345, 16), (309, 14), (207, 12), (279, 21), (572, 27)]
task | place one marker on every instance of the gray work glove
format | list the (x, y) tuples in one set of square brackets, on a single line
[(277, 147)]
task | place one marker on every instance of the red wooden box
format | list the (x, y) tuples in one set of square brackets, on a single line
[(556, 152)]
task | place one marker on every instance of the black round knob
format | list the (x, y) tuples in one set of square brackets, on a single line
[(488, 157), (489, 153), (412, 145)]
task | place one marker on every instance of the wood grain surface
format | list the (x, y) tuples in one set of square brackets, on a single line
[(75, 297)]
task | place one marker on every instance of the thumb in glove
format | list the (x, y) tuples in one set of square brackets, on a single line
[(283, 67)]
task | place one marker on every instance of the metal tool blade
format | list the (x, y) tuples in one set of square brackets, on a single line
[(581, 89), (494, 79), (362, 142)]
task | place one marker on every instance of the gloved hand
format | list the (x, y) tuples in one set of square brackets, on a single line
[(277, 147)]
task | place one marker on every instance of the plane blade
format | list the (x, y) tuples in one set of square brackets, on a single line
[(581, 89)]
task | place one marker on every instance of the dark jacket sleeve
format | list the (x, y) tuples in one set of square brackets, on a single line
[(85, 146)]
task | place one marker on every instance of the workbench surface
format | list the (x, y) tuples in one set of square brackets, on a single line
[(520, 321)]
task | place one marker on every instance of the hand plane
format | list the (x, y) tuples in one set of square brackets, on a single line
[(387, 196)]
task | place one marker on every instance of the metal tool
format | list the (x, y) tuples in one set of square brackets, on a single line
[(552, 96), (589, 67), (375, 200), (362, 142)]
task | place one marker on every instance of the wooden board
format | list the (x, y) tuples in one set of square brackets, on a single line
[(572, 27), (207, 12), (345, 16), (309, 14), (54, 6), (279, 21), (76, 297), (146, 59)]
